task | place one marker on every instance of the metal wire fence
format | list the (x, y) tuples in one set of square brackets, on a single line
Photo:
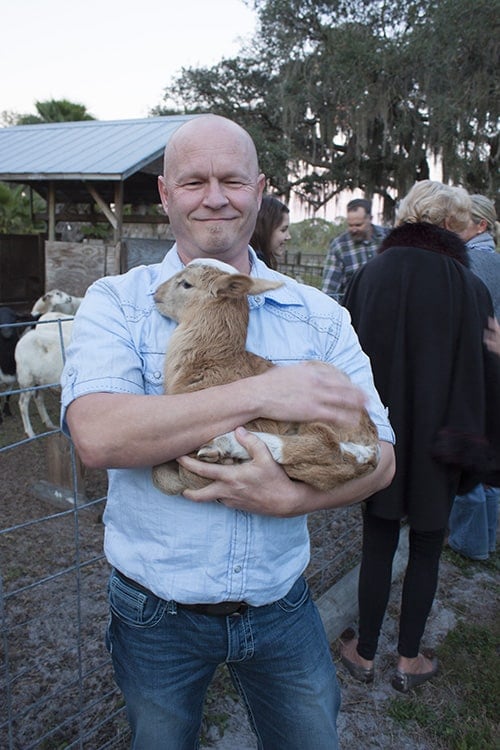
[(305, 267), (56, 682)]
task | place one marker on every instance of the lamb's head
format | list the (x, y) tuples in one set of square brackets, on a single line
[(53, 300), (202, 282)]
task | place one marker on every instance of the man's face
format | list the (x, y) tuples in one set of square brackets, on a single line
[(211, 192), (359, 224)]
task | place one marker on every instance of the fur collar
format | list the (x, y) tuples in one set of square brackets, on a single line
[(428, 237)]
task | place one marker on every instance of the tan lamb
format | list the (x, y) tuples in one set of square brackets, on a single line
[(208, 299)]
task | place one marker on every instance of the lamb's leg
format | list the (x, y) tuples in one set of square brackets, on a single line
[(362, 453), (6, 407), (24, 403), (225, 446), (166, 478), (172, 479), (44, 415)]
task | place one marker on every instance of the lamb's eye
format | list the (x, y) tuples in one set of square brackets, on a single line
[(186, 285)]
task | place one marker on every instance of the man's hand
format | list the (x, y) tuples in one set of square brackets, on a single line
[(492, 336), (259, 485), (308, 392), (262, 486)]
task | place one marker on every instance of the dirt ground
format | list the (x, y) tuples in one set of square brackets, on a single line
[(364, 723), (55, 677)]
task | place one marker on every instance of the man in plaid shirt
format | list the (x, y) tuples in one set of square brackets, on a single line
[(352, 249)]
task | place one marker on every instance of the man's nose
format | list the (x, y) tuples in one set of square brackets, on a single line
[(215, 195)]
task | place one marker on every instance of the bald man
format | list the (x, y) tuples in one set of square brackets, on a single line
[(195, 582)]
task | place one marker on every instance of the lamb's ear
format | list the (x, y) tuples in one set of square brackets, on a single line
[(263, 285), (232, 285), (238, 285)]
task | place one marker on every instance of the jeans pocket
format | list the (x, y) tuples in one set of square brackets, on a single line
[(132, 605), (297, 596)]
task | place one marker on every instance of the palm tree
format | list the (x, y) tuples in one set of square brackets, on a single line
[(56, 110)]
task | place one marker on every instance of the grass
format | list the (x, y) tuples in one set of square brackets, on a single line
[(461, 711), (465, 566)]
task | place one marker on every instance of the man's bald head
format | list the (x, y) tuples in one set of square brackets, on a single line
[(205, 129)]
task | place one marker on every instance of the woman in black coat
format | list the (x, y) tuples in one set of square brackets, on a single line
[(420, 315)]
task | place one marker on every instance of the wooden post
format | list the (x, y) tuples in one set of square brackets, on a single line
[(59, 486)]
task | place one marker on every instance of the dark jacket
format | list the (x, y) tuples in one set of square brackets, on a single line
[(420, 315)]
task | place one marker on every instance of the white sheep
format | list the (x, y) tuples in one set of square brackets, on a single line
[(209, 301), (56, 301), (39, 362)]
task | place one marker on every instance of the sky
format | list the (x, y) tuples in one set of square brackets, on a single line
[(115, 58)]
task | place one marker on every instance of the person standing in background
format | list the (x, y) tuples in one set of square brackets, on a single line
[(271, 231), (480, 239), (352, 249), (481, 233), (420, 314), (474, 516)]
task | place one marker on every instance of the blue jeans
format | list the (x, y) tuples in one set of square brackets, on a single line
[(278, 656), (473, 522)]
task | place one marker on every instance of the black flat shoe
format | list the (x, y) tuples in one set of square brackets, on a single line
[(403, 682), (361, 674)]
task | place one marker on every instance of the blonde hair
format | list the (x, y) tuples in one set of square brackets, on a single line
[(436, 203), (484, 208)]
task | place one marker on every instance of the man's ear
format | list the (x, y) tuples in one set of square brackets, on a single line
[(261, 185), (162, 189)]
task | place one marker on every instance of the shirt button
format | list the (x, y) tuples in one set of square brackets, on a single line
[(237, 569), (157, 374)]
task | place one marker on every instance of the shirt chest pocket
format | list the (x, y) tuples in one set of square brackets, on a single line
[(153, 364)]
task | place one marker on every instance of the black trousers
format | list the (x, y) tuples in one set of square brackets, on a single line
[(380, 541)]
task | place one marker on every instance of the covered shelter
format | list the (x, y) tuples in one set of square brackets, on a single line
[(108, 164), (90, 172)]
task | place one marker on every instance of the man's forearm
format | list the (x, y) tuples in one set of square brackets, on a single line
[(127, 431)]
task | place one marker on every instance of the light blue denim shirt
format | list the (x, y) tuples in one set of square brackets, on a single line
[(180, 550)]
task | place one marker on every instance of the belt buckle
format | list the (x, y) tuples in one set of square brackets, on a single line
[(226, 608)]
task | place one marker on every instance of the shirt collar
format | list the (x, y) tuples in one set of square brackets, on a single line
[(283, 295)]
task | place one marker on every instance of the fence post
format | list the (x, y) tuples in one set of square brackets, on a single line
[(59, 484)]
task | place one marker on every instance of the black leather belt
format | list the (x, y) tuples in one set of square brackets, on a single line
[(220, 609)]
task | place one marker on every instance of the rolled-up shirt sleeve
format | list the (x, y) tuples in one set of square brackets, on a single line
[(102, 356)]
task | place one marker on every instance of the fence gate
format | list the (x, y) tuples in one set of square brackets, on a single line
[(56, 682)]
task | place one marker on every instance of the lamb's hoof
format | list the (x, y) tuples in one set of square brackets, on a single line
[(210, 454), (364, 454)]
